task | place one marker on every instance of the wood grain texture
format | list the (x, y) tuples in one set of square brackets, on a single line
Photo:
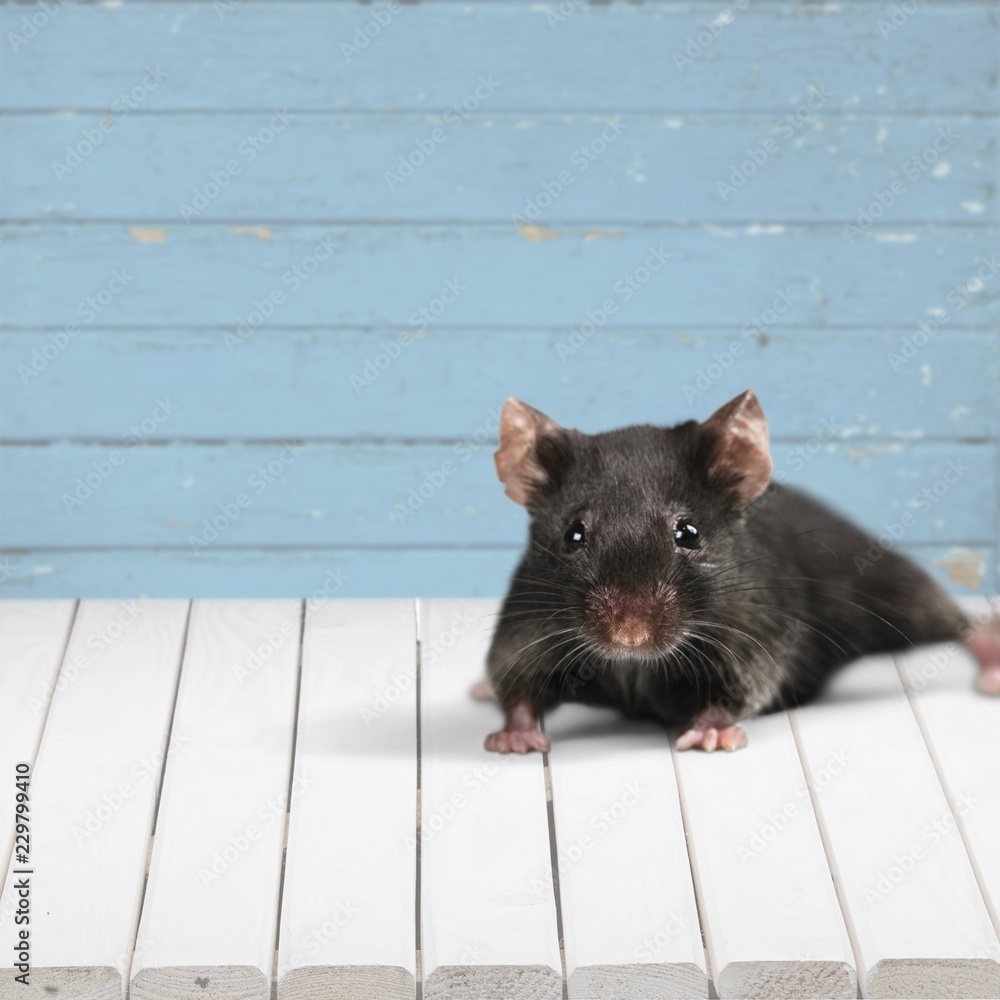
[(300, 381), (201, 496), (920, 926), (756, 848), (348, 924), (477, 571), (431, 57), (93, 795), (591, 170), (630, 922), (211, 899), (484, 838), (48, 272)]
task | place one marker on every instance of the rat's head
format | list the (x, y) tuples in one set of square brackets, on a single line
[(631, 528)]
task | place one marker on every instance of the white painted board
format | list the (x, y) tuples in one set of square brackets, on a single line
[(486, 932), (93, 795), (348, 911), (961, 727), (773, 922), (918, 918), (210, 911), (33, 636), (630, 921)]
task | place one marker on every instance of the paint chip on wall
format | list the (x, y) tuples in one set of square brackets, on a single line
[(148, 235), (964, 568)]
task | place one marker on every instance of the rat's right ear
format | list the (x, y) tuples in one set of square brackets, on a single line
[(526, 439), (741, 453)]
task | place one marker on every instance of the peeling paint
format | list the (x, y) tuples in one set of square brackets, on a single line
[(147, 235), (964, 568), (974, 207), (896, 237), (261, 232), (875, 449), (536, 234), (600, 234), (756, 229)]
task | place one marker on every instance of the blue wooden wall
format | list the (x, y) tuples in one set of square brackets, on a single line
[(277, 265)]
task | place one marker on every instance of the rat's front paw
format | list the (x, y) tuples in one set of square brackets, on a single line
[(984, 642), (517, 741), (710, 738)]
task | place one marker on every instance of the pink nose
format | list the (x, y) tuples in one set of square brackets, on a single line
[(630, 632)]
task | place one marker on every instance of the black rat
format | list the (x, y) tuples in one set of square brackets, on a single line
[(667, 576)]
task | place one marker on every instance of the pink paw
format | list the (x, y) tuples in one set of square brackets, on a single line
[(517, 741), (989, 680), (710, 738), (481, 691), (984, 642)]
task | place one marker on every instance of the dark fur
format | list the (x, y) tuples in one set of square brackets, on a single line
[(775, 589)]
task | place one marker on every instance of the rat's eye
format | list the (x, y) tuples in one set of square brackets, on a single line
[(576, 535), (686, 535)]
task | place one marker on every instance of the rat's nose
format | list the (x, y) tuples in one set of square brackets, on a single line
[(630, 632)]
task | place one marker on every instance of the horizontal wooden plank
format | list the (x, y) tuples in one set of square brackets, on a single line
[(348, 572), (260, 55), (198, 496), (358, 383), (122, 275), (590, 169)]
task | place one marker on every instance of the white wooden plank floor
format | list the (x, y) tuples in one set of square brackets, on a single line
[(850, 849)]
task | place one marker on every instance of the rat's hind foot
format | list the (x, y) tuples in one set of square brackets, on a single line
[(984, 643), (520, 735), (713, 730), (481, 691)]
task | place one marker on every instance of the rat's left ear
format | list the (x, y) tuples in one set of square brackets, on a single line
[(741, 454), (532, 446)]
